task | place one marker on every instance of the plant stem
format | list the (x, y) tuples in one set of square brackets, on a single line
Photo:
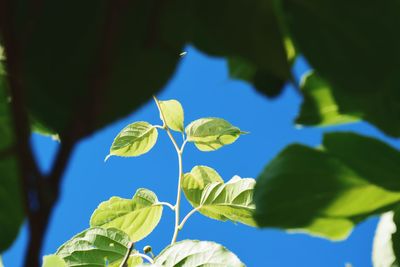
[(144, 256), (169, 205), (124, 262), (178, 199), (193, 211), (179, 152)]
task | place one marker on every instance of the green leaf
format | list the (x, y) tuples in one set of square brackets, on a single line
[(95, 247), (326, 191), (1, 260), (39, 128), (11, 210), (192, 253), (53, 261), (249, 32), (355, 50), (134, 140), (137, 216), (210, 134), (173, 112), (265, 82), (319, 105), (207, 192), (385, 252), (121, 65)]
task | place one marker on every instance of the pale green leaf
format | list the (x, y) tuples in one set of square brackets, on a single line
[(134, 140), (193, 253), (137, 216), (383, 254), (53, 261), (172, 111), (319, 106), (95, 247), (196, 180), (1, 260), (207, 192), (327, 191), (210, 134)]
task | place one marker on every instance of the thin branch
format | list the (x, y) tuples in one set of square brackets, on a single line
[(193, 211), (180, 175), (169, 205), (144, 256), (124, 262)]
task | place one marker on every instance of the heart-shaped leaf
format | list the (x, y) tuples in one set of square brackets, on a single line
[(207, 192), (134, 140), (210, 134), (137, 216)]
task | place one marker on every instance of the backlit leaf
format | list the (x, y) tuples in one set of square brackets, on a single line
[(207, 192), (134, 140), (95, 247), (173, 112), (193, 253), (137, 216), (325, 192), (53, 261), (210, 134), (319, 106)]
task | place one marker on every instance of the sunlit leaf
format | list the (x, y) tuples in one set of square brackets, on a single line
[(210, 134), (325, 192), (207, 192), (95, 247), (191, 253), (53, 261), (134, 140), (137, 216), (319, 106), (173, 112)]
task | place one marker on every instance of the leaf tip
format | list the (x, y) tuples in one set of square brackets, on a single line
[(107, 157)]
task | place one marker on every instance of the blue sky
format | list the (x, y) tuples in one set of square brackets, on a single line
[(202, 85)]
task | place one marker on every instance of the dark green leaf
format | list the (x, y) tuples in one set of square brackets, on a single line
[(97, 67), (319, 105), (11, 211), (352, 45), (325, 192), (249, 34)]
